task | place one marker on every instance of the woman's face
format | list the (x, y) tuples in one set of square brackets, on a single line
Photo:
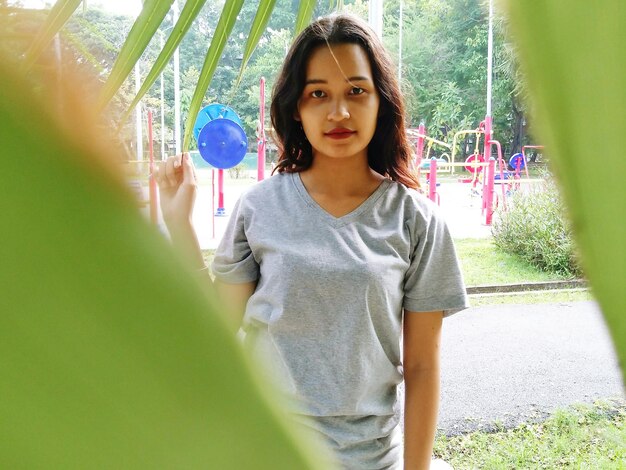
[(339, 104)]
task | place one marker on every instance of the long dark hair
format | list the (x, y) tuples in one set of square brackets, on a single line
[(389, 152)]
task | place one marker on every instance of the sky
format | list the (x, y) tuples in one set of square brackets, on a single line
[(123, 7)]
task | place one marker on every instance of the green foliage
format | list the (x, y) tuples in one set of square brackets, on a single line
[(58, 16), (484, 263), (190, 11), (113, 354), (218, 42), (444, 68), (575, 78), (582, 436), (534, 227), (138, 38), (304, 15), (259, 24), (269, 60)]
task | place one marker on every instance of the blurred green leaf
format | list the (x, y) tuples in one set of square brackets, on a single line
[(576, 69), (263, 14), (220, 37), (187, 16), (138, 38), (112, 354), (304, 16), (59, 14)]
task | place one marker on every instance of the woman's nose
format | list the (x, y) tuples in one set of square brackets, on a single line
[(338, 111)]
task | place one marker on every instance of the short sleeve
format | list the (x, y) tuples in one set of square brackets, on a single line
[(234, 262), (434, 280)]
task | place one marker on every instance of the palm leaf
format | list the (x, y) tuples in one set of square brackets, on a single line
[(575, 74), (222, 31), (84, 52), (304, 15), (185, 21), (261, 18), (59, 14), (336, 4), (140, 35)]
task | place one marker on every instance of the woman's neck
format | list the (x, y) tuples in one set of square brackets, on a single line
[(340, 176)]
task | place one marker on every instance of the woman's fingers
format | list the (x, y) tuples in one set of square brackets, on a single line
[(173, 170), (176, 171), (159, 171), (189, 171)]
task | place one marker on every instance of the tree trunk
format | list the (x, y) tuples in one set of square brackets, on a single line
[(517, 127)]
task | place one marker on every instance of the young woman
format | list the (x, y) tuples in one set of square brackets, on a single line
[(339, 270)]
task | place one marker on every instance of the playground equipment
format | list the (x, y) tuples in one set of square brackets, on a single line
[(474, 164), (423, 161), (222, 143)]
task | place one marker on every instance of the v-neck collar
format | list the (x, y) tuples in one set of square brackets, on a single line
[(326, 216)]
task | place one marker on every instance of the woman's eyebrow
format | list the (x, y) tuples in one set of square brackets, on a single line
[(357, 78), (313, 81)]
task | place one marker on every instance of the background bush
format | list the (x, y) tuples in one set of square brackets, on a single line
[(535, 228)]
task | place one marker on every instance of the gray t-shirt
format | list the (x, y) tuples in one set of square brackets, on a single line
[(326, 315)]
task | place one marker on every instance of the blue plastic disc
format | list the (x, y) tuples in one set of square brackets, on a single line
[(516, 159), (212, 112), (222, 143)]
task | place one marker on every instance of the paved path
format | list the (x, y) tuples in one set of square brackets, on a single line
[(517, 363)]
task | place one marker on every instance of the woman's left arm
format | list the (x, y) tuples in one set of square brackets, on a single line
[(421, 338)]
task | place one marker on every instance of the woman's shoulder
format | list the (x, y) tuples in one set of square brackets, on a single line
[(269, 185), (269, 190), (412, 201)]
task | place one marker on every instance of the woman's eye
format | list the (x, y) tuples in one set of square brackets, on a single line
[(318, 94), (356, 90)]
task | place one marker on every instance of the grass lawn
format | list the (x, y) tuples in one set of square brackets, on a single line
[(581, 437), (484, 264)]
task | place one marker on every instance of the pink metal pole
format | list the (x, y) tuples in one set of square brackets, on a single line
[(488, 131), (524, 155), (220, 193), (261, 136), (152, 183), (501, 167), (213, 200), (432, 180), (489, 191), (419, 151)]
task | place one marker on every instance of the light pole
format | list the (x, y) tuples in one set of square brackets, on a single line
[(175, 13), (177, 131), (162, 106), (138, 128), (376, 16), (400, 44), (488, 121)]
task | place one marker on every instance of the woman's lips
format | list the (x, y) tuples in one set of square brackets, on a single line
[(340, 133)]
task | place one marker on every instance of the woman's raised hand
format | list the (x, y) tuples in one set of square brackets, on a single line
[(178, 185)]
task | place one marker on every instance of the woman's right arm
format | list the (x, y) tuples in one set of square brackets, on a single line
[(178, 186), (234, 297)]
